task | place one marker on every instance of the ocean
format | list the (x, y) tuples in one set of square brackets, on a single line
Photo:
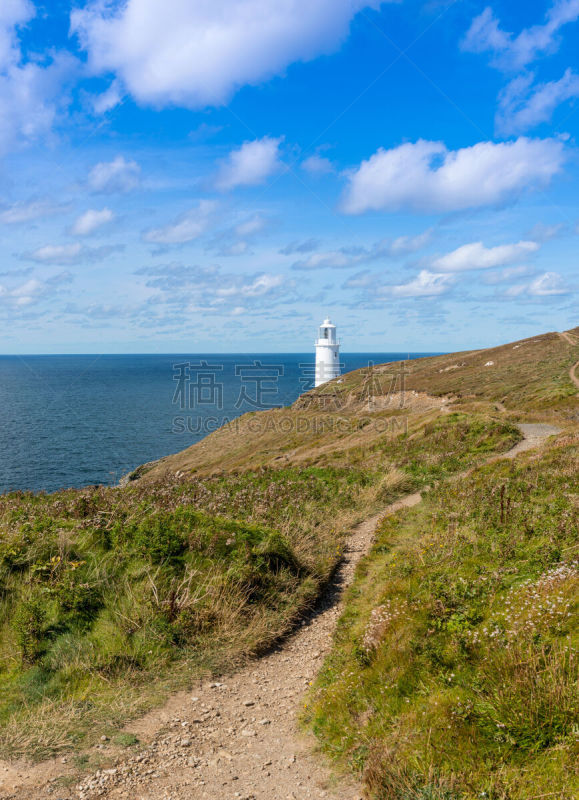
[(71, 421)]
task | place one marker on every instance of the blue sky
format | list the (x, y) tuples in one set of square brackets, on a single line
[(218, 175)]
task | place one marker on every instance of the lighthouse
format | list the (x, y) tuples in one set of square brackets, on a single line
[(327, 353)]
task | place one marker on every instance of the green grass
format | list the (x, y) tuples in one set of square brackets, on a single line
[(454, 669), (112, 598), (125, 739), (104, 591), (454, 672)]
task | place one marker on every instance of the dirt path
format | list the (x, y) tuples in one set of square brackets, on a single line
[(535, 434), (237, 738), (574, 341), (232, 739), (569, 337)]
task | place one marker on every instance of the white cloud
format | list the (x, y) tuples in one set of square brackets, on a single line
[(25, 294), (209, 290), (477, 256), (32, 290), (353, 256), (91, 221), (427, 177), (188, 226), (57, 253), (522, 103), (515, 52), (119, 175), (334, 259), (70, 253), (12, 14), (234, 248), (259, 286), (108, 99), (403, 245), (523, 106), (250, 165), (297, 246), (549, 284), (199, 53), (317, 165), (544, 233), (31, 94), (37, 208), (251, 226), (507, 274), (361, 280), (426, 284), (236, 240), (485, 34)]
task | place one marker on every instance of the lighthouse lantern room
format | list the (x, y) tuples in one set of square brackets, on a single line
[(327, 353)]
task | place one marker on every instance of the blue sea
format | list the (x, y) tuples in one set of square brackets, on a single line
[(71, 421)]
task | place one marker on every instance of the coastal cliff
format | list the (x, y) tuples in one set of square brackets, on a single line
[(114, 598)]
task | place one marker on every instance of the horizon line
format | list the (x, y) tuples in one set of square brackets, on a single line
[(240, 353)]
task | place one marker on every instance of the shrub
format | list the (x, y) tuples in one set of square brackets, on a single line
[(79, 600), (29, 623), (277, 554), (159, 537)]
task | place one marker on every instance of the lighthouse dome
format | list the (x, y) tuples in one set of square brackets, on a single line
[(327, 332)]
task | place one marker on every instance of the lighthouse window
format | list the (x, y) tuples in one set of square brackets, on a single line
[(325, 333)]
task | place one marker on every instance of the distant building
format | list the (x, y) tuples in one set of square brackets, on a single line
[(327, 353)]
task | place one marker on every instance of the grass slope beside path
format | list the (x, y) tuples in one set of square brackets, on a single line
[(455, 667), (112, 598)]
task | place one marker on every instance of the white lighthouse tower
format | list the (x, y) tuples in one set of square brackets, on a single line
[(327, 353)]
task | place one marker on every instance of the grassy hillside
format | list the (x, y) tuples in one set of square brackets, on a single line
[(110, 598), (455, 669), (528, 375), (529, 379)]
